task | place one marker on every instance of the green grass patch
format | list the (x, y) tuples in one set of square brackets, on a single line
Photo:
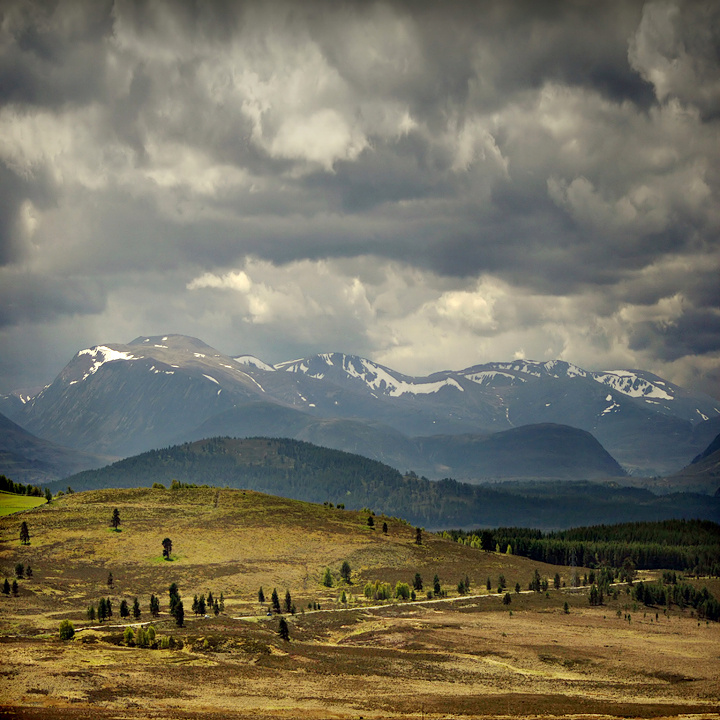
[(11, 503)]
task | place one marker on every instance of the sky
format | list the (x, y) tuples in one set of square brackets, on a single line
[(430, 185)]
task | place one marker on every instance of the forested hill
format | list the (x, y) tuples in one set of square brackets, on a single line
[(303, 471)]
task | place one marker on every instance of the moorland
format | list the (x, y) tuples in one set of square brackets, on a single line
[(458, 650)]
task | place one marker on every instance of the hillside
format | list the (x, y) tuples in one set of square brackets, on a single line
[(453, 654), (531, 451), (703, 473), (306, 472), (31, 460), (223, 540), (122, 399)]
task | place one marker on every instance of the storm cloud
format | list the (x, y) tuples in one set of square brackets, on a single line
[(431, 185)]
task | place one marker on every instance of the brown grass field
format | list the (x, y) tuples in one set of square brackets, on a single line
[(460, 657)]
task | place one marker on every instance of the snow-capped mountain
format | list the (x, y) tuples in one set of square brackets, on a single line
[(122, 399)]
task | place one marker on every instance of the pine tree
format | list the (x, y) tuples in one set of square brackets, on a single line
[(108, 607), (261, 595), (102, 610), (275, 600), (201, 606), (167, 548), (6, 587), (19, 571), (370, 521), (216, 608), (110, 580), (283, 630), (417, 582), (288, 601), (115, 521), (418, 536), (327, 578), (385, 528), (210, 600), (154, 606), (24, 533), (436, 586), (124, 609), (15, 587), (194, 607), (179, 614), (345, 571), (222, 603), (91, 613), (136, 609), (28, 572)]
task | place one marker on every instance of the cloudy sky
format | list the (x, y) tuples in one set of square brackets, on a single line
[(427, 184)]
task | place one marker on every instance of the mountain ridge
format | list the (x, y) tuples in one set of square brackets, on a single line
[(124, 399)]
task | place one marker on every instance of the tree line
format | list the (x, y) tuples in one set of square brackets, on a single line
[(17, 488), (691, 546)]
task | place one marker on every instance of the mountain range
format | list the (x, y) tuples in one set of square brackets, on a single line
[(473, 424)]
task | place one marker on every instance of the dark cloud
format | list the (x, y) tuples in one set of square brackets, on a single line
[(542, 174)]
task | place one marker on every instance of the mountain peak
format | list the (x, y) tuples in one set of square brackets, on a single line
[(172, 342)]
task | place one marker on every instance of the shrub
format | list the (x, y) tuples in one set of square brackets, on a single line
[(67, 631)]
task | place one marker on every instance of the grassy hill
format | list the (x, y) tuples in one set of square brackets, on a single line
[(547, 654), (224, 540), (307, 472)]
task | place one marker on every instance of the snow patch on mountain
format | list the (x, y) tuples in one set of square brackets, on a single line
[(487, 376), (101, 355), (630, 384), (211, 378)]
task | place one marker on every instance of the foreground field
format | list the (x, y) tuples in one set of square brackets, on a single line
[(464, 657)]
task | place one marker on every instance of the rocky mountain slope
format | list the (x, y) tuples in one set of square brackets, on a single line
[(123, 399)]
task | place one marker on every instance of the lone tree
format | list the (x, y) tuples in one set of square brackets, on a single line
[(167, 548), (24, 533), (288, 602), (370, 521), (275, 600), (136, 609), (283, 630), (385, 528), (345, 571), (418, 536), (261, 595), (115, 522), (124, 609)]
